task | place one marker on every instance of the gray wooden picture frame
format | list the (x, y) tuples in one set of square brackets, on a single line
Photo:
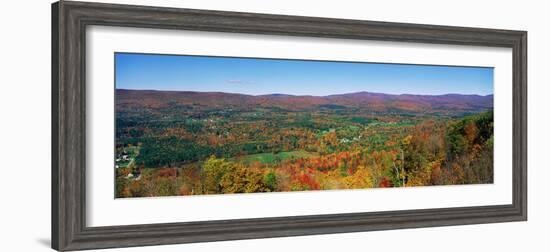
[(69, 22)]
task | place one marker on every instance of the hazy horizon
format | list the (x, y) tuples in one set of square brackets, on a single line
[(257, 76), (190, 91)]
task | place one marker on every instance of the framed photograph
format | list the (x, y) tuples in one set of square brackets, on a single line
[(178, 125)]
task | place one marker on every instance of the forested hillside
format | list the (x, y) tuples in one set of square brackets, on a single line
[(184, 143)]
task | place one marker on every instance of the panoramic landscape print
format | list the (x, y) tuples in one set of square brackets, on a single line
[(197, 125)]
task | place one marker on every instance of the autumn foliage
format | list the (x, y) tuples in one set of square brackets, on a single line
[(213, 151)]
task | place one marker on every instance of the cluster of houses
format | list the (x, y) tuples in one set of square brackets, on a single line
[(122, 158)]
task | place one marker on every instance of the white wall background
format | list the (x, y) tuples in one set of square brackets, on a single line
[(25, 124)]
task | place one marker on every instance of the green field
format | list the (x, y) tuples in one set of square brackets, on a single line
[(270, 158)]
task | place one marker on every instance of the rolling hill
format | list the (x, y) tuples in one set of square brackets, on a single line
[(376, 102)]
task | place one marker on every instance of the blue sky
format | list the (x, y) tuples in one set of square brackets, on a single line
[(295, 77)]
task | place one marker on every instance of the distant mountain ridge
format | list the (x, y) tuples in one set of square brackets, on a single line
[(379, 102)]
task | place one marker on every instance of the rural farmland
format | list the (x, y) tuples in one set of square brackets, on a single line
[(191, 143)]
